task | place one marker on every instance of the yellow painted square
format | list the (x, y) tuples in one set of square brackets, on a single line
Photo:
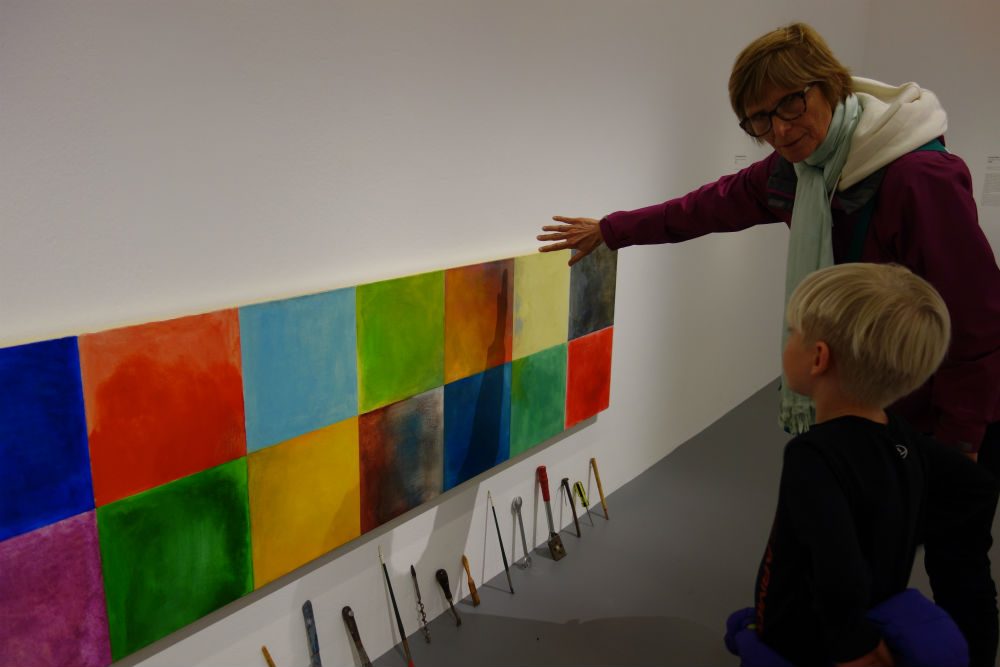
[(305, 499), (541, 301)]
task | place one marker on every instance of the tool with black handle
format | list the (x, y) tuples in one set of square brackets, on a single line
[(311, 636), (582, 494), (442, 578), (503, 552), (572, 505), (352, 628), (395, 609), (420, 607), (556, 547)]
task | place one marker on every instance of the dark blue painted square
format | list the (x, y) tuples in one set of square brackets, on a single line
[(44, 463), (476, 424)]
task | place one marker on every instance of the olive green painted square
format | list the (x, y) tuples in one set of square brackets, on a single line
[(538, 398), (174, 553), (400, 339)]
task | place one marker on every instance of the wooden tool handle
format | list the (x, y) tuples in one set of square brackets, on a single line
[(543, 479), (472, 583), (600, 489)]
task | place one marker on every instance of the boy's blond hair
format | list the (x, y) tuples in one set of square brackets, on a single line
[(887, 328)]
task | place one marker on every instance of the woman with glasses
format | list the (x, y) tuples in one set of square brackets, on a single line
[(860, 173)]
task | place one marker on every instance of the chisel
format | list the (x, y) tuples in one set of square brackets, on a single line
[(556, 547)]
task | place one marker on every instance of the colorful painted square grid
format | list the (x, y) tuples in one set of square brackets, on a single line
[(154, 473)]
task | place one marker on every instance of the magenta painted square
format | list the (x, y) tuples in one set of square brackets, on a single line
[(52, 609)]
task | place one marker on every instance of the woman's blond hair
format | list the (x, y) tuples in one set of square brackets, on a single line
[(790, 58), (887, 328)]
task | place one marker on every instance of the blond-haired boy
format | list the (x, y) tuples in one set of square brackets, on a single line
[(862, 489)]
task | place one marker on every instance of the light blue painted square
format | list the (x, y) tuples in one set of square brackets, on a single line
[(300, 369)]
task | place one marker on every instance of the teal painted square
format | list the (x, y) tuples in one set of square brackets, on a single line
[(174, 553), (400, 339), (300, 368), (538, 398)]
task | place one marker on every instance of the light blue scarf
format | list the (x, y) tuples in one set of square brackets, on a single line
[(810, 243)]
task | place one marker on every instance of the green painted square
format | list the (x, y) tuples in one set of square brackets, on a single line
[(538, 398), (174, 553), (400, 338)]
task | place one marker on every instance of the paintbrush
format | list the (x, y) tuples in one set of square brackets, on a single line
[(503, 552), (395, 609)]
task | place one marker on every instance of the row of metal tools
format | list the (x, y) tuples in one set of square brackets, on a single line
[(556, 548)]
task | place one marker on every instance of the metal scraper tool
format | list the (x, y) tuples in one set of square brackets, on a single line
[(556, 547)]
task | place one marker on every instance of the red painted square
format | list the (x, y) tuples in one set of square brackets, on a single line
[(588, 376), (164, 400)]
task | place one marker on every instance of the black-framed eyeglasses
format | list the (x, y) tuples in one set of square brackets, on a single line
[(789, 107)]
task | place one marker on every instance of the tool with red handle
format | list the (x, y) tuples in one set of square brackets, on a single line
[(556, 547)]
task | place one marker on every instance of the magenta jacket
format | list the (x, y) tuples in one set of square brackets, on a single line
[(924, 218)]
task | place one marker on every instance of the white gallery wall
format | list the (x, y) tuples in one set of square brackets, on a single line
[(163, 158), (952, 49)]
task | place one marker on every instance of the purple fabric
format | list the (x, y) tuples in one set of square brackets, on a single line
[(917, 632), (925, 219), (53, 610), (742, 640)]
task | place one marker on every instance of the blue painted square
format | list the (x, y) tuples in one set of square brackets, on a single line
[(476, 424), (300, 368), (44, 462)]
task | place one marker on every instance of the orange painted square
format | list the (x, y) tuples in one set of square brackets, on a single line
[(479, 317), (164, 400), (588, 376)]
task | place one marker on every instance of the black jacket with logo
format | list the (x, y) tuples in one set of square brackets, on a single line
[(856, 499)]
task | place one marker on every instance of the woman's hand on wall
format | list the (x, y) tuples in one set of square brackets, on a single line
[(580, 234)]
